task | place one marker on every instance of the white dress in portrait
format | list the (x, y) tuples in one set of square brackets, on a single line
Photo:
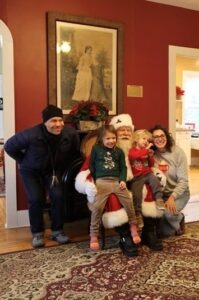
[(83, 78)]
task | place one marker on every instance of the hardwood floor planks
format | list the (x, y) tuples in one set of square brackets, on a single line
[(18, 239)]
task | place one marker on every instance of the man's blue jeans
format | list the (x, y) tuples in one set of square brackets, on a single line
[(36, 187)]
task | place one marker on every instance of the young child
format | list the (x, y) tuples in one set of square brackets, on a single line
[(141, 160), (108, 168)]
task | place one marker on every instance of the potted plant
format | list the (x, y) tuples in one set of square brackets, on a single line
[(179, 92), (88, 114)]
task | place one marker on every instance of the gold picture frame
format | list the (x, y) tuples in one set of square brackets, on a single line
[(69, 37)]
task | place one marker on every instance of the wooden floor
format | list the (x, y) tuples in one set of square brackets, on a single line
[(18, 239)]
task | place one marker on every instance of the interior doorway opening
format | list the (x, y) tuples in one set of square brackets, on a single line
[(191, 210), (11, 218), (174, 52)]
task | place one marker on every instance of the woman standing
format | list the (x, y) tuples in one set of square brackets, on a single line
[(171, 160), (84, 76)]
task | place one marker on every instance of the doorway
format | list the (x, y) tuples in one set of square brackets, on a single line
[(174, 52), (182, 60), (11, 218), (191, 210)]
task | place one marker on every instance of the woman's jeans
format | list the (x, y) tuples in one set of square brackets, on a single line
[(170, 223), (36, 187)]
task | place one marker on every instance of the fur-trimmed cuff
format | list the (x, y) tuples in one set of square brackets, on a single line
[(80, 181), (91, 191), (114, 218), (149, 210)]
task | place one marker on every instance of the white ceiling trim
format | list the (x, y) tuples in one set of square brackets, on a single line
[(189, 4)]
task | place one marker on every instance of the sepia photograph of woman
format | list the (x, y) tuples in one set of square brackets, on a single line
[(86, 66)]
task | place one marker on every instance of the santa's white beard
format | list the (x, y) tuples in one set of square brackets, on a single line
[(125, 145)]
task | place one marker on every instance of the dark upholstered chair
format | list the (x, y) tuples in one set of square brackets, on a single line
[(75, 204)]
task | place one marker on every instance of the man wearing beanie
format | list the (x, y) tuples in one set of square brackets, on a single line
[(43, 154)]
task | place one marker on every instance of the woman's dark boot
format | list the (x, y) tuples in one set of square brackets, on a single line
[(126, 243), (149, 234)]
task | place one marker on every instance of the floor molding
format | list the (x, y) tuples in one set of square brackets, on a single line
[(23, 218)]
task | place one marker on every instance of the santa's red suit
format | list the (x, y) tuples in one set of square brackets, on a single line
[(115, 215)]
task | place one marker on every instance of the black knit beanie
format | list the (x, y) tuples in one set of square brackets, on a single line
[(51, 111)]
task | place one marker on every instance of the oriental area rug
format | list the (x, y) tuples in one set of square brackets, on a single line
[(74, 272)]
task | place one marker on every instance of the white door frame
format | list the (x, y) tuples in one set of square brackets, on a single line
[(14, 218), (8, 122), (173, 52)]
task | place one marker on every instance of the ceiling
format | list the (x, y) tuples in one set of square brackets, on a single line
[(189, 4)]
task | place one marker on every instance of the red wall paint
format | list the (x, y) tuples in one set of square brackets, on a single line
[(149, 28), (156, 27)]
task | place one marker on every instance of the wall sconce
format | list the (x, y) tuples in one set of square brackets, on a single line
[(64, 47)]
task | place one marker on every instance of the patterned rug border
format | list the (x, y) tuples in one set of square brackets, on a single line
[(74, 272)]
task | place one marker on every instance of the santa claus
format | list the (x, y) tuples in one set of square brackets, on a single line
[(115, 216)]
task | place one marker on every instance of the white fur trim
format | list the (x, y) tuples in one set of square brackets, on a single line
[(80, 181), (122, 120), (114, 218), (149, 210), (91, 191)]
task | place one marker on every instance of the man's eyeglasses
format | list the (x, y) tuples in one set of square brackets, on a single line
[(162, 136)]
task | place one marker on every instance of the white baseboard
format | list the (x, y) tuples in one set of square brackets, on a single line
[(23, 218)]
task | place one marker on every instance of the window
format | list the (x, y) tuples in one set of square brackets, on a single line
[(191, 98)]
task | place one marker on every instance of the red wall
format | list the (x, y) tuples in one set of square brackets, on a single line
[(148, 30)]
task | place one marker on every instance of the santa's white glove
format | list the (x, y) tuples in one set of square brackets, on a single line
[(91, 191)]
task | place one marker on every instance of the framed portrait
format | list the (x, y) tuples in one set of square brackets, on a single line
[(85, 61)]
